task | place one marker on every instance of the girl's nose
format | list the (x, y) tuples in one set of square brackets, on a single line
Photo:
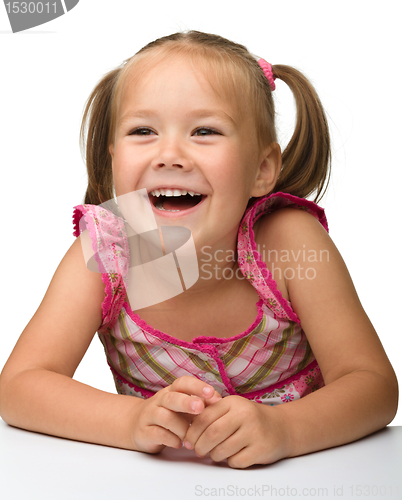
[(171, 155)]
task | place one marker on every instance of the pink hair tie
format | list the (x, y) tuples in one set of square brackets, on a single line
[(267, 69)]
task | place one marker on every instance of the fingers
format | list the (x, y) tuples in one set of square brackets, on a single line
[(239, 430), (190, 417), (156, 438), (171, 421), (193, 386), (174, 408), (209, 429), (181, 403), (228, 449), (157, 427), (215, 398), (189, 395), (164, 437), (166, 416)]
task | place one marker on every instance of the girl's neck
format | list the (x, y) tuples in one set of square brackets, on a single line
[(218, 272)]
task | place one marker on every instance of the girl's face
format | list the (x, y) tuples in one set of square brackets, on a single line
[(175, 135)]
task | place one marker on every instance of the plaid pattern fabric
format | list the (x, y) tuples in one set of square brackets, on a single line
[(147, 360), (270, 363)]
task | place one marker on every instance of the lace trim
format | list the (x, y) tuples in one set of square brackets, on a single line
[(110, 309), (77, 214), (312, 207), (107, 301), (279, 384), (144, 392), (266, 273), (224, 376), (252, 217)]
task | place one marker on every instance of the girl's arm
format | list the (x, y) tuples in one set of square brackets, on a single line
[(37, 391), (361, 392), (36, 387)]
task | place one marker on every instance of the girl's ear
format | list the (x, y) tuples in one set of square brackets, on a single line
[(268, 171)]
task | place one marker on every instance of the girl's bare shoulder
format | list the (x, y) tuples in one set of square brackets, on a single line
[(288, 240), (287, 226)]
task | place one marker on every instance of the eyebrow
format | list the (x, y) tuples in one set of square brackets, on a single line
[(197, 113)]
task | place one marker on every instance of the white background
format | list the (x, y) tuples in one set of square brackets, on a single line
[(349, 49)]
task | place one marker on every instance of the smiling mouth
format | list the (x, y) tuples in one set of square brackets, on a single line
[(174, 200)]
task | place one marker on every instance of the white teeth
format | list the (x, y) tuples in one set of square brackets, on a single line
[(173, 192)]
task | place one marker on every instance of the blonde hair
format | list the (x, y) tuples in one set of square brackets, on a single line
[(234, 74)]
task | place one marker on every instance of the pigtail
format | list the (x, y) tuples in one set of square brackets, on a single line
[(95, 140), (306, 161)]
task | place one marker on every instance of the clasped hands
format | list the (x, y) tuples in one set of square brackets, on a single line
[(190, 412)]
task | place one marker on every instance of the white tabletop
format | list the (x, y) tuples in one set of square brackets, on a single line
[(39, 467)]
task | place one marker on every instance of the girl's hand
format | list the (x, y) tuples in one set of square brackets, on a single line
[(163, 419), (239, 430)]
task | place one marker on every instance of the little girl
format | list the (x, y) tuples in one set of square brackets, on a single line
[(269, 354)]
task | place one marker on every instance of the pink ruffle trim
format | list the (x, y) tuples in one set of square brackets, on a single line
[(144, 392), (277, 385), (79, 212), (313, 209)]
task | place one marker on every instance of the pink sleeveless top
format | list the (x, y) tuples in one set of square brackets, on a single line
[(271, 362)]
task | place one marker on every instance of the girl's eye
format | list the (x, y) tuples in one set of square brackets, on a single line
[(141, 131), (203, 131)]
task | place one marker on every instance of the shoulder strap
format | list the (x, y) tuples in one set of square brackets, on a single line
[(276, 201), (251, 264), (111, 252)]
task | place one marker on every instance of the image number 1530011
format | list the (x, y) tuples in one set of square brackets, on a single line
[(26, 15)]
